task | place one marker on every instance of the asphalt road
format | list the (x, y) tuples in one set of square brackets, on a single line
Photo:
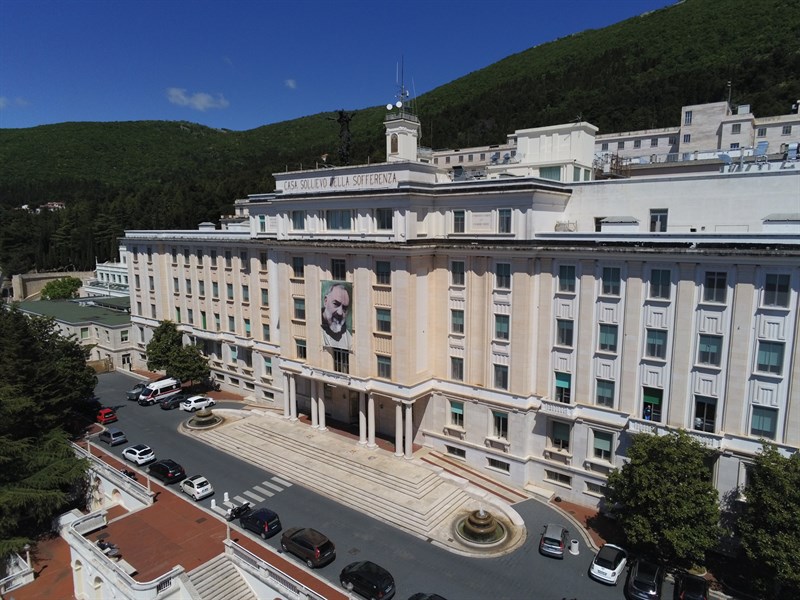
[(415, 564)]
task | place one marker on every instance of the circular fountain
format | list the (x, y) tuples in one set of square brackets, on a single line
[(480, 528), (204, 419)]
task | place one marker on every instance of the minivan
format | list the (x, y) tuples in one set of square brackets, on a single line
[(156, 391), (112, 436)]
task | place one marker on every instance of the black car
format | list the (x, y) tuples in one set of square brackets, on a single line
[(261, 521), (368, 580), (167, 470), (173, 401), (308, 544), (692, 587), (644, 581), (423, 596)]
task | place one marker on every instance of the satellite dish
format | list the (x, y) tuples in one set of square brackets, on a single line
[(398, 104), (389, 107)]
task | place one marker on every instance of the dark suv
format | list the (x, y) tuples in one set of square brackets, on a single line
[(173, 401), (368, 580), (692, 587), (309, 545), (262, 521), (166, 470), (644, 581)]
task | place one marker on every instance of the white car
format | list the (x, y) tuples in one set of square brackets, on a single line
[(196, 403), (608, 564), (139, 454), (197, 487)]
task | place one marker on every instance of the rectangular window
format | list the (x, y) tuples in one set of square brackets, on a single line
[(298, 220), (458, 452), (687, 137), (298, 267), (566, 278), (709, 350), (229, 291), (687, 118), (736, 128), (501, 377), (603, 442), (264, 297), (227, 259), (504, 220), (637, 143), (265, 331), (300, 348), (715, 288), (231, 324), (764, 422), (705, 410), (559, 435), (456, 368), (770, 357), (564, 332), (217, 322), (339, 219), (268, 366), (605, 393), (244, 260), (262, 258), (457, 272), (503, 276), (384, 320), (190, 316), (300, 309), (611, 281), (384, 367), (660, 283), (214, 290), (246, 327), (262, 223), (245, 293), (651, 404), (501, 327), (201, 288), (656, 346), (123, 335), (500, 424), (213, 259), (203, 320), (137, 283), (658, 219), (500, 465), (457, 413), (383, 272), (672, 140), (84, 333), (339, 269), (234, 353), (176, 286), (604, 146), (608, 338), (457, 321), (576, 173), (786, 130), (341, 360), (459, 221), (151, 283), (621, 145), (776, 290), (551, 173), (174, 256), (384, 219), (563, 388), (654, 142), (761, 132), (153, 311), (557, 477)]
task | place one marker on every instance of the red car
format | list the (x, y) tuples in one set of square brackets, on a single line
[(106, 415)]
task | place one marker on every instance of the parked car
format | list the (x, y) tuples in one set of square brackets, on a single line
[(167, 470), (368, 580), (554, 540), (308, 544), (608, 564), (692, 587), (139, 453), (197, 487), (135, 391), (172, 401), (106, 415), (644, 581), (196, 403), (112, 436), (261, 521)]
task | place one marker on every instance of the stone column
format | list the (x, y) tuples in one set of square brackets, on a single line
[(286, 400), (398, 429), (321, 405), (370, 420), (314, 393), (362, 419), (292, 398), (409, 430)]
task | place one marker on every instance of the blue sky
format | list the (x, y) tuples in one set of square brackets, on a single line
[(241, 64)]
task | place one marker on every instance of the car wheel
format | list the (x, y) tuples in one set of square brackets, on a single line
[(310, 563), (283, 547), (348, 585), (263, 535)]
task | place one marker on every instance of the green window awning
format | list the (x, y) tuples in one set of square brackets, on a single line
[(563, 380)]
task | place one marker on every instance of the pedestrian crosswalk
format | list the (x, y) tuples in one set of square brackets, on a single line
[(258, 493)]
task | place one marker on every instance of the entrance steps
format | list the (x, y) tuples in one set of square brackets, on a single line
[(219, 579)]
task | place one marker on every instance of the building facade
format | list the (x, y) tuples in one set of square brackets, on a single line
[(525, 323)]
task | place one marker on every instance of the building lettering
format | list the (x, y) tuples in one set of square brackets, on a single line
[(341, 182)]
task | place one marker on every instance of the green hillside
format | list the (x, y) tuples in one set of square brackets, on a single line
[(156, 174)]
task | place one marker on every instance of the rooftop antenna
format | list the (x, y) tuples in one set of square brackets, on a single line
[(402, 93)]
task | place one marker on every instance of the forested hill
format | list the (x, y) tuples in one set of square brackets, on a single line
[(156, 174)]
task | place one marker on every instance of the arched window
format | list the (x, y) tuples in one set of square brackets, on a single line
[(393, 149)]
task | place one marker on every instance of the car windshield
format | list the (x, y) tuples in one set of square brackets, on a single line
[(607, 558)]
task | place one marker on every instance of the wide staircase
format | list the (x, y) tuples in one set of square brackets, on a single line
[(219, 579)]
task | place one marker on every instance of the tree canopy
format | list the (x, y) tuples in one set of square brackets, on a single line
[(665, 500), (166, 352), (45, 386), (61, 289)]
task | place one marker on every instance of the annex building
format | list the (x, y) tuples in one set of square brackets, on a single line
[(526, 316)]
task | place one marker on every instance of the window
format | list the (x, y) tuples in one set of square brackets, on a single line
[(564, 332), (672, 140), (607, 341), (770, 357), (300, 348), (214, 290), (174, 256), (687, 117), (563, 387), (268, 366), (637, 143), (341, 360), (457, 413), (262, 258), (84, 333), (201, 288), (654, 142), (123, 335), (500, 465), (457, 272), (761, 132), (244, 260), (504, 220), (149, 254), (705, 410), (621, 145), (715, 288), (503, 276), (709, 350), (384, 218), (298, 220), (459, 221), (557, 477), (651, 404), (338, 219), (656, 346), (190, 316), (246, 326), (227, 259), (203, 320), (786, 130), (262, 223), (501, 377), (338, 269), (660, 283), (384, 367), (213, 259), (611, 281), (736, 128), (605, 393), (384, 320), (658, 219), (604, 146), (559, 435), (457, 321), (217, 322), (764, 422), (137, 283), (300, 309), (776, 290), (383, 272), (687, 138), (551, 173), (234, 353), (457, 368), (501, 331), (229, 290), (176, 286), (499, 424), (298, 267), (151, 283), (265, 331), (245, 293), (566, 278), (576, 173), (603, 441), (231, 324), (453, 451)]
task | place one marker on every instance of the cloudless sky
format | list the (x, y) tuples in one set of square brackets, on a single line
[(241, 64)]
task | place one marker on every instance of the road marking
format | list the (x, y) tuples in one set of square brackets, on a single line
[(240, 500), (261, 490), (256, 497), (220, 510), (281, 481), (271, 485)]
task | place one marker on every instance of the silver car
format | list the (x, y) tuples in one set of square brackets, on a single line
[(554, 540)]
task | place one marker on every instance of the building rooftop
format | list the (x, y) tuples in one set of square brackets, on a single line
[(76, 312)]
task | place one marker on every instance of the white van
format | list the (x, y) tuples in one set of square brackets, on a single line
[(156, 391)]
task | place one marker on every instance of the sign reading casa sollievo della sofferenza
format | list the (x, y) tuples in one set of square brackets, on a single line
[(339, 183)]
